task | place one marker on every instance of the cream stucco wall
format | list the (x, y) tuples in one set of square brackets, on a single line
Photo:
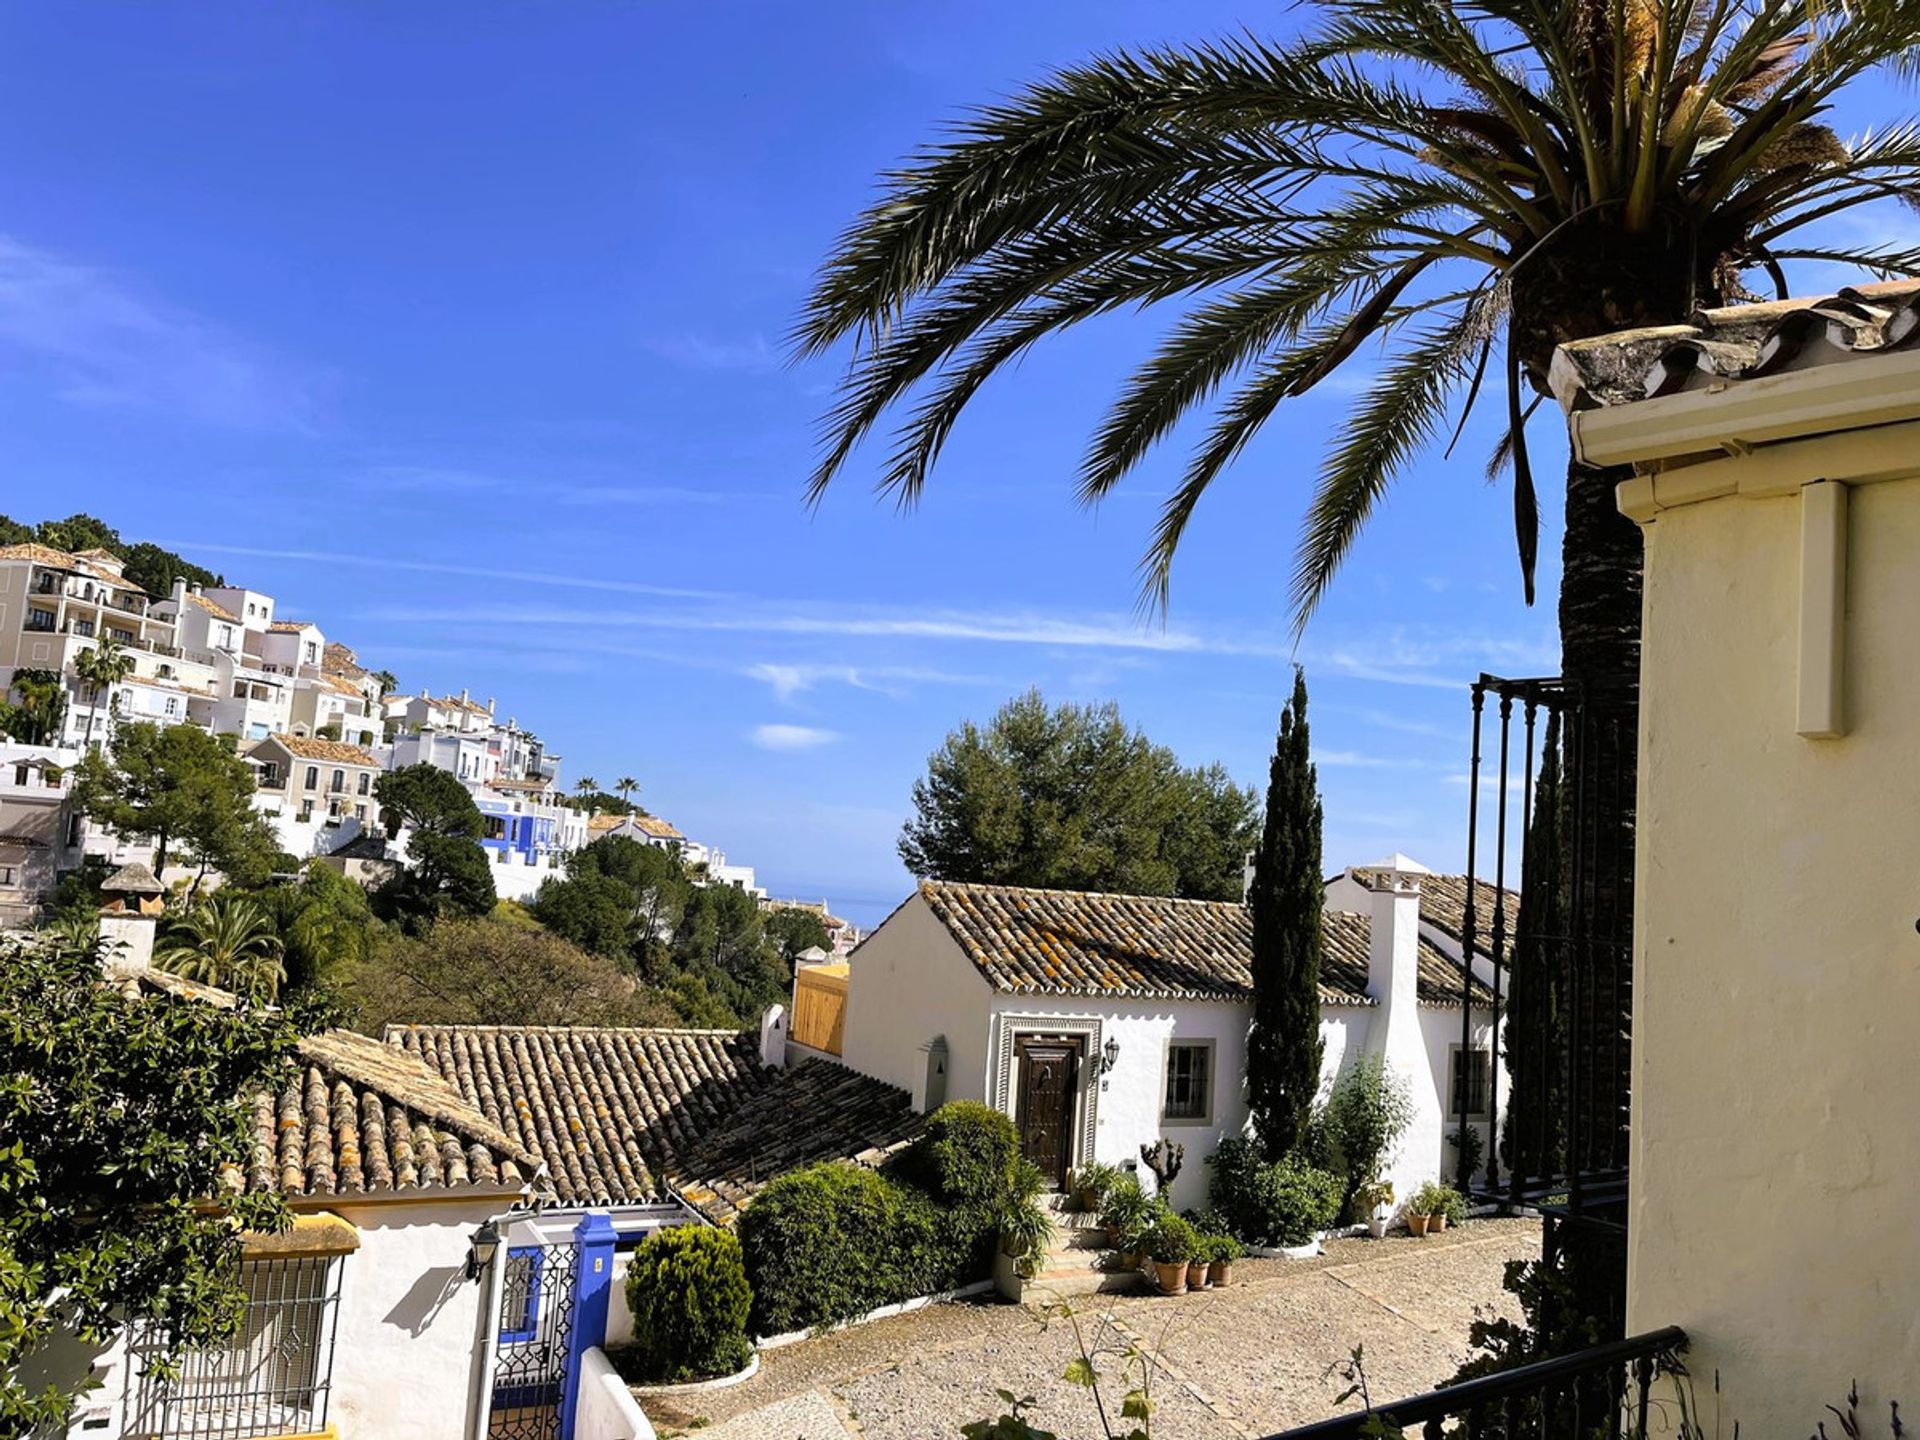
[(408, 1358), (908, 983), (1777, 986)]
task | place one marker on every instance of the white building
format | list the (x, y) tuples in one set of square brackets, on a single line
[(1103, 1023), (40, 835), (318, 793)]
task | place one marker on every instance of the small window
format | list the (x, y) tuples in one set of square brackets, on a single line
[(6, 877), (520, 1303), (313, 777), (366, 782), (19, 774), (339, 781), (1189, 1083), (274, 1377), (1471, 1083)]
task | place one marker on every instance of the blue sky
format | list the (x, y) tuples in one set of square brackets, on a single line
[(460, 328)]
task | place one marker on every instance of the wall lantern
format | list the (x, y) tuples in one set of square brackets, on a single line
[(481, 1249), (1110, 1053)]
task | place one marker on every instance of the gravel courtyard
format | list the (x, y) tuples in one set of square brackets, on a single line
[(1245, 1361)]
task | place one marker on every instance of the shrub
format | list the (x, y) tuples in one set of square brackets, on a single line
[(832, 1241), (1436, 1198), (1285, 1203), (1215, 1249), (1090, 1183), (1367, 1113), (1129, 1210), (1466, 1141), (1171, 1240), (687, 1289), (970, 1153), (1025, 1225)]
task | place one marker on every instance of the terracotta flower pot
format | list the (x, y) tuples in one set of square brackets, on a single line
[(1172, 1276), (1436, 1222), (1196, 1274), (1220, 1274), (1417, 1224), (1113, 1237)]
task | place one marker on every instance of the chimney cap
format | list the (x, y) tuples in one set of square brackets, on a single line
[(1396, 872)]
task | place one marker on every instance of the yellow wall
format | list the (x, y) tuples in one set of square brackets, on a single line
[(1776, 1128)]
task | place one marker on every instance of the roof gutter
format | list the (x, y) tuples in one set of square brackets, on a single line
[(1740, 415)]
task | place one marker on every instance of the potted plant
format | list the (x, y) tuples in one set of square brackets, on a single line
[(1128, 1213), (1200, 1263), (1171, 1243), (1376, 1200), (1222, 1251), (1089, 1184), (1427, 1210)]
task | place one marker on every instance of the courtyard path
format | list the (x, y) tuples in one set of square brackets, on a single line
[(1245, 1361)]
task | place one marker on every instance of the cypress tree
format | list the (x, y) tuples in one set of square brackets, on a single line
[(1283, 1047)]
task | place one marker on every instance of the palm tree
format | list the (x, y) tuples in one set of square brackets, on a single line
[(37, 718), (100, 669), (583, 787), (1469, 182), (229, 943), (624, 787), (387, 681)]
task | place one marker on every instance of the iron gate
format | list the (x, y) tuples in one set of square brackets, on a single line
[(535, 1331)]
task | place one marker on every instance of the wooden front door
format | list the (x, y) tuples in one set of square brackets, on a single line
[(1048, 1071)]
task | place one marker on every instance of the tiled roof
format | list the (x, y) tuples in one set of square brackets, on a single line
[(335, 752), (619, 1114), (1721, 347), (40, 554), (211, 608), (1443, 905), (1071, 942), (338, 684), (360, 1118), (338, 659), (290, 627), (653, 825)]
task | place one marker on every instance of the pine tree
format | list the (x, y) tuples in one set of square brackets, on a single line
[(1283, 1048)]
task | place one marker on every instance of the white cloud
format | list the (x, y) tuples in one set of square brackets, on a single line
[(791, 737), (703, 352), (1354, 760), (789, 681), (100, 344)]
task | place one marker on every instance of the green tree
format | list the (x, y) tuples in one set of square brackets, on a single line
[(388, 682), (484, 972), (1069, 797), (37, 715), (721, 946), (326, 926), (154, 570), (80, 532), (592, 911), (625, 786), (229, 943), (12, 532), (179, 786), (426, 798), (121, 1120), (1283, 1044), (792, 930), (588, 789), (1369, 1110), (447, 870), (101, 668)]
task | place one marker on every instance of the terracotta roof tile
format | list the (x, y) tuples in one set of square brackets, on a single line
[(337, 752), (1443, 905), (1071, 942), (211, 608), (40, 554), (1724, 346), (618, 1115), (357, 1117), (290, 627)]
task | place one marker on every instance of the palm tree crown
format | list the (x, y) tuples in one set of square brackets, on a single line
[(100, 669), (1460, 180), (228, 943)]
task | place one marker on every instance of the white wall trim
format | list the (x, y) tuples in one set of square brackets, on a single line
[(1008, 1027)]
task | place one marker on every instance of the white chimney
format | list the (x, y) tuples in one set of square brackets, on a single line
[(1393, 950), (773, 1037)]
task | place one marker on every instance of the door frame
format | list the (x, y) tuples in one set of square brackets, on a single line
[(1005, 1029), (1076, 1046)]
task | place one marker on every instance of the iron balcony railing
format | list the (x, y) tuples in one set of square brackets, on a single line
[(1602, 1393)]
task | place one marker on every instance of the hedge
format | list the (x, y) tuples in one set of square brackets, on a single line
[(687, 1289), (834, 1240), (1279, 1204), (970, 1153)]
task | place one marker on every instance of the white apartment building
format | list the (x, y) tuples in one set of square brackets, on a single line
[(40, 835), (226, 630), (318, 793)]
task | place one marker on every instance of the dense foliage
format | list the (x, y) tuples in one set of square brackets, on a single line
[(228, 942), (1283, 1043), (146, 565), (1069, 797), (832, 1241), (1283, 1202), (33, 706), (448, 873), (970, 1151), (1369, 1110), (184, 789), (687, 1291), (494, 972), (119, 1119)]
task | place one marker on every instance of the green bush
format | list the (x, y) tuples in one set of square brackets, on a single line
[(834, 1240), (1438, 1198), (687, 1289), (1129, 1211), (970, 1153), (1367, 1113), (1285, 1203), (1172, 1239)]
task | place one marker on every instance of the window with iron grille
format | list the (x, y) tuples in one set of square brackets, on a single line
[(1472, 1074), (273, 1377), (1189, 1082), (520, 1294)]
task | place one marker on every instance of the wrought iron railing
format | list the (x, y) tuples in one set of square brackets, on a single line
[(1550, 822), (1605, 1392)]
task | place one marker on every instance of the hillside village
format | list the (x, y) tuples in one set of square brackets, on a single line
[(315, 726)]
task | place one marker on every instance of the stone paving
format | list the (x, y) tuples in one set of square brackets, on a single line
[(1246, 1361)]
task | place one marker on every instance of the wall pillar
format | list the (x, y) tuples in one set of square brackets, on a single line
[(593, 1241)]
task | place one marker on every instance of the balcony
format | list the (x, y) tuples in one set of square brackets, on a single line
[(1603, 1393)]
